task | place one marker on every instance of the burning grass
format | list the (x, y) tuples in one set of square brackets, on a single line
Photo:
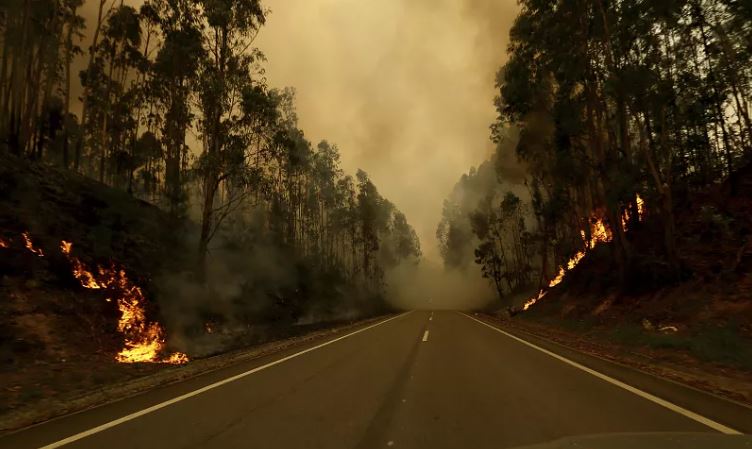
[(144, 340)]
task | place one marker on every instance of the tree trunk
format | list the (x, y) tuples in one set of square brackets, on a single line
[(207, 219)]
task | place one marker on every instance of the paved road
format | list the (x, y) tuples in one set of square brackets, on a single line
[(419, 380)]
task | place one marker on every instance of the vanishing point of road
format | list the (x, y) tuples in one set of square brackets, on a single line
[(417, 380)]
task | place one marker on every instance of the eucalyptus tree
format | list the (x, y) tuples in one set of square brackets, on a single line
[(74, 28), (109, 86), (171, 86), (615, 99)]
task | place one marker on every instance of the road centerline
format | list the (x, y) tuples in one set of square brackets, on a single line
[(645, 395), (153, 408)]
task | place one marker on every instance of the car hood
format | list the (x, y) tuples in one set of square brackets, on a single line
[(649, 441)]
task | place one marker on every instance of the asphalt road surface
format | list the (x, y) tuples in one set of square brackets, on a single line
[(418, 380)]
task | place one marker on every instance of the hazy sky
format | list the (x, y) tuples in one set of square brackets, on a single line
[(403, 87)]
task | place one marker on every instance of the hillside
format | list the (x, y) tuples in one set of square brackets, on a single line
[(52, 329), (92, 277), (700, 323)]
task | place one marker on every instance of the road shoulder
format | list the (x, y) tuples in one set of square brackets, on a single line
[(734, 414), (45, 410)]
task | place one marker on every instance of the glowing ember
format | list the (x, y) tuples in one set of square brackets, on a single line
[(626, 215), (4, 243), (30, 245), (640, 207)]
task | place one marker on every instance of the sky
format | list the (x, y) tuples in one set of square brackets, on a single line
[(403, 87)]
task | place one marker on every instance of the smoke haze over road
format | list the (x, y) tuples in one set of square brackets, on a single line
[(404, 88)]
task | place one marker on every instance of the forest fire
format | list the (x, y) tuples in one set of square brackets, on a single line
[(79, 272), (144, 341), (30, 245), (626, 215), (640, 207), (599, 233)]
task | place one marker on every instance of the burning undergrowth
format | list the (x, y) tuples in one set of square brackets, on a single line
[(598, 231), (143, 340)]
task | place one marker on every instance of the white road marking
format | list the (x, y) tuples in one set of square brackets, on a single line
[(164, 404), (425, 336), (430, 318), (662, 402)]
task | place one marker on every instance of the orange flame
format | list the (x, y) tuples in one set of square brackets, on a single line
[(4, 243), (176, 358), (79, 272), (626, 215), (533, 300), (640, 207), (144, 341), (30, 245), (599, 233)]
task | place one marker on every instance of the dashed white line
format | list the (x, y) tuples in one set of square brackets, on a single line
[(164, 404), (425, 336), (662, 402)]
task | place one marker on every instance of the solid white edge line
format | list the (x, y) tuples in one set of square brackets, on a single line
[(425, 335), (174, 400), (662, 402)]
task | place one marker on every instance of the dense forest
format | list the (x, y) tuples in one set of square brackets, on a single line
[(174, 109), (615, 108)]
